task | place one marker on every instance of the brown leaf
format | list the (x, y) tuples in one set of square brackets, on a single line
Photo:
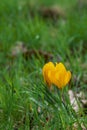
[(53, 12), (20, 48), (39, 53)]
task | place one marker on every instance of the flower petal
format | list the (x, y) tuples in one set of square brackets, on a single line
[(47, 71), (67, 77), (60, 67)]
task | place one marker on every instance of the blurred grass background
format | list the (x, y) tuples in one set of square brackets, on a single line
[(33, 32)]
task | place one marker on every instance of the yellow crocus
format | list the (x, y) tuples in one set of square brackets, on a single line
[(56, 74), (48, 69), (61, 75)]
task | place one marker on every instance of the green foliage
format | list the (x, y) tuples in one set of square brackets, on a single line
[(26, 103)]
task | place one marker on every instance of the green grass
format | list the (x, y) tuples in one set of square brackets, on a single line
[(26, 103)]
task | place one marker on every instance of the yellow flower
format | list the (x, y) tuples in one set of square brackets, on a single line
[(56, 74), (61, 75), (48, 69)]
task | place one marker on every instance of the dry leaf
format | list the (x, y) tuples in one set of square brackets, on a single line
[(76, 98), (38, 53), (20, 48), (53, 12), (73, 100), (75, 126)]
